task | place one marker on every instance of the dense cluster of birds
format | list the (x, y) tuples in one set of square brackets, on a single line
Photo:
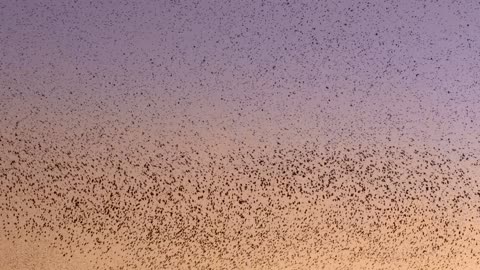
[(268, 207)]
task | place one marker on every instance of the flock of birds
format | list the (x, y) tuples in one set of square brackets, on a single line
[(239, 135), (271, 207)]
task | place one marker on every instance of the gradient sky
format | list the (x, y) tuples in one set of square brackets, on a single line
[(107, 85)]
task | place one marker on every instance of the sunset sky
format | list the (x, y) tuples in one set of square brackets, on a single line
[(239, 134)]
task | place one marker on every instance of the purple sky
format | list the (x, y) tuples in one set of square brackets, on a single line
[(372, 68)]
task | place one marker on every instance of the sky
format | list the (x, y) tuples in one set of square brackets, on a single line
[(237, 100)]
